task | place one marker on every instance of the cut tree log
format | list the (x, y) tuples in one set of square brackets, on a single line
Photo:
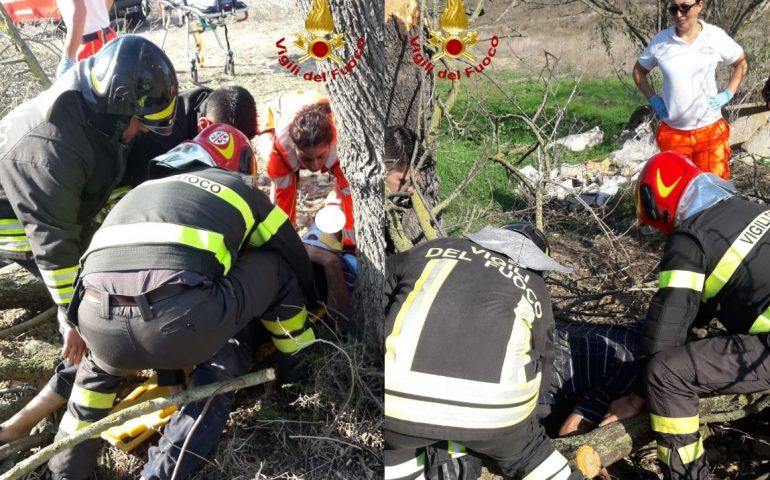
[(604, 446), (31, 361), (20, 289)]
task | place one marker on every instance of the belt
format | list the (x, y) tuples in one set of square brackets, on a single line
[(90, 37), (161, 293)]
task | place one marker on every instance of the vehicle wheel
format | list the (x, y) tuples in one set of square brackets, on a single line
[(146, 8)]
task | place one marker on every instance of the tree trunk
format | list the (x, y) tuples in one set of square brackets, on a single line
[(20, 289), (6, 25), (31, 361), (609, 444), (357, 101)]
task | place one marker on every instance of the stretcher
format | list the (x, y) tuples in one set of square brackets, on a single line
[(199, 16), (134, 432)]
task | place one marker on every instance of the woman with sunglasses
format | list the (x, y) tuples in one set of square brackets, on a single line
[(690, 104)]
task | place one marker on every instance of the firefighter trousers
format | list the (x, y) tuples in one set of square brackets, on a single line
[(675, 378), (524, 452), (174, 333), (64, 374), (233, 360)]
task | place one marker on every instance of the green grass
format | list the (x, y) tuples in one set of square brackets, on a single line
[(487, 106)]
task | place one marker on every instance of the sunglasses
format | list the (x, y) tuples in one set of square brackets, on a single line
[(684, 9)]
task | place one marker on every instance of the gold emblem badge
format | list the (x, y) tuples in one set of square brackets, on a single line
[(454, 22), (321, 43)]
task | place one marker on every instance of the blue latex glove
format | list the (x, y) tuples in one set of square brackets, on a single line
[(659, 106), (64, 65), (716, 102)]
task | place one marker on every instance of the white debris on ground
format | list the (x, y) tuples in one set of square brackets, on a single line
[(595, 182), (580, 141)]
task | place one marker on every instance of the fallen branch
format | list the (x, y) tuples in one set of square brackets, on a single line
[(122, 416), (31, 361), (605, 446), (28, 324), (25, 443)]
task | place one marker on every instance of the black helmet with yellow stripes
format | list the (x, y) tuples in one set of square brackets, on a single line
[(129, 76)]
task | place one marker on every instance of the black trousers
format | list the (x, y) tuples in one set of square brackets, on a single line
[(676, 377), (173, 333), (523, 451)]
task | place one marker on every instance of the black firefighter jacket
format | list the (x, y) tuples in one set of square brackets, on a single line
[(199, 221), (715, 264), (468, 341), (59, 162)]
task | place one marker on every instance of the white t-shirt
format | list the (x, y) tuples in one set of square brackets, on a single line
[(689, 77), (97, 15)]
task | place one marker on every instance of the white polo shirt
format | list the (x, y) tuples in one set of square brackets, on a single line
[(97, 15), (689, 72)]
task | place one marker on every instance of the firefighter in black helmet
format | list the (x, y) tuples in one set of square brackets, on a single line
[(468, 346), (61, 155)]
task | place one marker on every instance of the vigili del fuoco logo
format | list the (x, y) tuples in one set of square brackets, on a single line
[(457, 42), (321, 43)]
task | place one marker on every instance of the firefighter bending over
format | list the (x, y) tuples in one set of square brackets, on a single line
[(180, 266), (715, 264), (469, 344)]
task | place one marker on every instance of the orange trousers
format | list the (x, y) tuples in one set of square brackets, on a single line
[(92, 46), (708, 147)]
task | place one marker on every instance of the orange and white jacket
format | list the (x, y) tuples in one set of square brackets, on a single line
[(283, 166)]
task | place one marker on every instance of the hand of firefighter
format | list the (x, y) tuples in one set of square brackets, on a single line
[(623, 408), (74, 346)]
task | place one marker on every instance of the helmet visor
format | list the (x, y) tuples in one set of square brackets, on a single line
[(163, 130), (183, 155)]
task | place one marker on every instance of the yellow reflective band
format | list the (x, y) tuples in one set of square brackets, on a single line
[(159, 233), (91, 399), (62, 295), (555, 467), (69, 424), (676, 426), (163, 114), (268, 227), (690, 453), (734, 255), (681, 279), (434, 412), (15, 244), (401, 344), (11, 227), (663, 454), (295, 343), (455, 449), (761, 324), (215, 188), (406, 469), (61, 276), (285, 327), (118, 193)]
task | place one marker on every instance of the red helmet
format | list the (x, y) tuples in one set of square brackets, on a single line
[(218, 145), (228, 147), (661, 184)]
